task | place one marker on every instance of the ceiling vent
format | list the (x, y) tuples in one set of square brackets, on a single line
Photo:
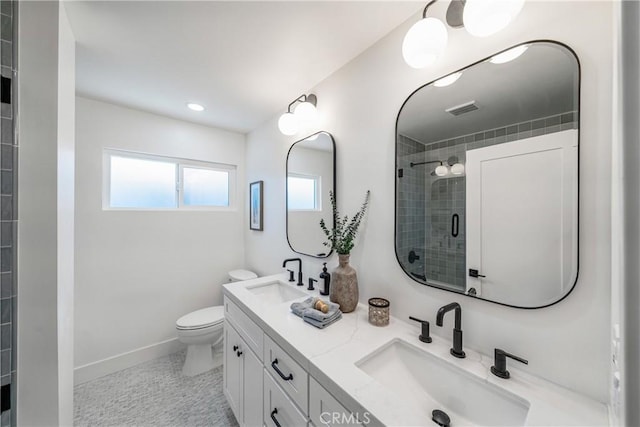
[(462, 108)]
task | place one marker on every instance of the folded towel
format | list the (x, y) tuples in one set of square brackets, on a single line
[(298, 308), (320, 316), (322, 325)]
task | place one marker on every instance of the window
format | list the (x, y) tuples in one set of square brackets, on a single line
[(303, 192), (140, 181)]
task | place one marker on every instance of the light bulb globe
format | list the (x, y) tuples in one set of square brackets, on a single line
[(457, 169), (509, 55), (442, 170), (424, 43), (447, 80), (305, 113), (288, 124), (483, 18)]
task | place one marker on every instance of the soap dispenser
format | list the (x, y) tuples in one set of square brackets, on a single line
[(326, 276)]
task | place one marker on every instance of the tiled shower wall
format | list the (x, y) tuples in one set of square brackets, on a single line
[(8, 216), (436, 199), (410, 207)]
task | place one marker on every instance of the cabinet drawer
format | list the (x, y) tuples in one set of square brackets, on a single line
[(325, 410), (286, 372), (248, 330), (278, 408)]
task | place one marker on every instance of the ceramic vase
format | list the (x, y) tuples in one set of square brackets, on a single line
[(344, 285)]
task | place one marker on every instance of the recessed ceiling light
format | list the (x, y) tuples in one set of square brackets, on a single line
[(195, 107)]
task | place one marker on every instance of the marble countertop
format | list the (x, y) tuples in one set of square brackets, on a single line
[(330, 356)]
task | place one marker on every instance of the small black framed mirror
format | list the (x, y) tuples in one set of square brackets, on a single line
[(310, 176)]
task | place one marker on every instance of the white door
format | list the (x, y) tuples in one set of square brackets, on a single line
[(232, 370), (251, 389), (522, 219)]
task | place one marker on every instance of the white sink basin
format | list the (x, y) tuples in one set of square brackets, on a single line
[(276, 292), (429, 383)]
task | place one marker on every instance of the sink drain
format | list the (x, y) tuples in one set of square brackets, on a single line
[(441, 418)]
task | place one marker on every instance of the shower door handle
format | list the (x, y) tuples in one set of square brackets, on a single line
[(475, 273), (455, 225)]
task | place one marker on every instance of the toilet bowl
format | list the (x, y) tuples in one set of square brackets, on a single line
[(202, 331)]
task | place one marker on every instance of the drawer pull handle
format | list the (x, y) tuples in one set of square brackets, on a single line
[(286, 378), (235, 347), (273, 417)]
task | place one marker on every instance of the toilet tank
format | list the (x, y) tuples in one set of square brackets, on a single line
[(240, 275)]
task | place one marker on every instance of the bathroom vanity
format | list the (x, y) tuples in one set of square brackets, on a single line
[(281, 371)]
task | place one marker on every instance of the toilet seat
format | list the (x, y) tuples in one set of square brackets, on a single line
[(200, 319)]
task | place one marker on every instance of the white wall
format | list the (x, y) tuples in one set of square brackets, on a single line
[(567, 343), (45, 197), (66, 204), (137, 272), (626, 211)]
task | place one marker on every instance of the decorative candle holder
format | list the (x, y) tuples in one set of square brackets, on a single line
[(379, 311)]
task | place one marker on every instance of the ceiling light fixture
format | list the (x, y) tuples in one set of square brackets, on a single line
[(195, 107), (447, 80), (509, 55), (303, 115), (426, 40)]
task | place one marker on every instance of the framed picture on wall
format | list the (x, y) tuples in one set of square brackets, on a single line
[(255, 205)]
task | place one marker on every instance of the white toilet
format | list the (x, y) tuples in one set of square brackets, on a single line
[(203, 329)]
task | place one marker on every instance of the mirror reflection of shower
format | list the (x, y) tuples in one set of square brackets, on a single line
[(450, 166), (432, 194)]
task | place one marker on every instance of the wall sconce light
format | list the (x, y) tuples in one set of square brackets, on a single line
[(303, 114), (427, 39), (451, 165)]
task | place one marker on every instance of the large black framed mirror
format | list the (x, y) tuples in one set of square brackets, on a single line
[(486, 178), (311, 175)]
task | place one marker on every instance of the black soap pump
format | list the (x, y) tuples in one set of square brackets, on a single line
[(326, 276)]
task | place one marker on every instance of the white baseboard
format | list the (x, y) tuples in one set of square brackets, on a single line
[(107, 366)]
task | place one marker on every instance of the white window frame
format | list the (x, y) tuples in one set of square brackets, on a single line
[(318, 190), (180, 165)]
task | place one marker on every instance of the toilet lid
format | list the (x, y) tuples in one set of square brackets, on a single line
[(201, 318), (241, 275)]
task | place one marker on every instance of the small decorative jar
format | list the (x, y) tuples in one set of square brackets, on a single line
[(379, 311)]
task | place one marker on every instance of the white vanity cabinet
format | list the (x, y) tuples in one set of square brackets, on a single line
[(325, 410), (270, 388), (242, 371), (279, 410), (287, 373)]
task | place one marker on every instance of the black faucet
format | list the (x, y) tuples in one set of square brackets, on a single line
[(499, 368), (456, 350), (326, 276), (424, 335), (311, 282), (284, 263), (291, 279)]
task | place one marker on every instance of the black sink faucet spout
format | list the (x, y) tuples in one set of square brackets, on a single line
[(456, 350), (284, 263)]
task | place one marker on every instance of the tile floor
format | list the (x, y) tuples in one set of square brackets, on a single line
[(154, 393)]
